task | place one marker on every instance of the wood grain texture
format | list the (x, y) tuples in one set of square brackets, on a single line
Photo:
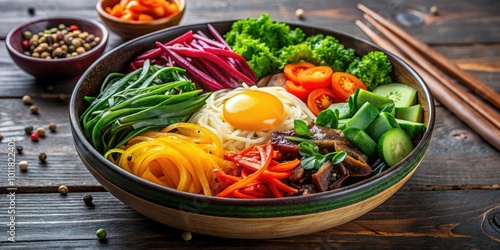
[(448, 218), (449, 203)]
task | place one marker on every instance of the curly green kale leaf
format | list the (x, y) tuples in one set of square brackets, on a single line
[(330, 52), (257, 54), (296, 53), (373, 69), (260, 42)]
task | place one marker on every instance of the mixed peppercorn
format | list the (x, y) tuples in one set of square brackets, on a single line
[(58, 42)]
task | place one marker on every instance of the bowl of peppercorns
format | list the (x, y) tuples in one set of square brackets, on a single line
[(57, 48)]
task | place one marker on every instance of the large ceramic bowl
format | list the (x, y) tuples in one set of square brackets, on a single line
[(55, 69), (238, 218)]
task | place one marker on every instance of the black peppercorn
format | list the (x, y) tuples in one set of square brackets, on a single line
[(43, 157), (19, 149), (28, 130), (31, 10), (87, 198)]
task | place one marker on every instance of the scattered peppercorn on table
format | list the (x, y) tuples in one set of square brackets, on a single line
[(50, 200)]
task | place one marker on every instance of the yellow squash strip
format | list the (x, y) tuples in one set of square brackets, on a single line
[(182, 156)]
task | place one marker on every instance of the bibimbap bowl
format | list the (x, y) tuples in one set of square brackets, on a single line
[(233, 217)]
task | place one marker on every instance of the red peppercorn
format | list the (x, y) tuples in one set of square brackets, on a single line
[(73, 27), (34, 136), (25, 44)]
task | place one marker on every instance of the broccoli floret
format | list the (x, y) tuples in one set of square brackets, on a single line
[(297, 53), (260, 42), (260, 59), (330, 52), (275, 35), (373, 69)]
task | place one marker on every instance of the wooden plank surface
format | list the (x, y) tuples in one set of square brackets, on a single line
[(437, 219), (452, 200)]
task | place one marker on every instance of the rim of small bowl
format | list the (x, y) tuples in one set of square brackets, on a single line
[(422, 144), (100, 26), (102, 12)]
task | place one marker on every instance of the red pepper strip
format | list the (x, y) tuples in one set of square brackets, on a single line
[(264, 188), (246, 162), (279, 184), (138, 63), (277, 155), (132, 67), (252, 190), (245, 172), (277, 193), (284, 166), (266, 159), (226, 178), (247, 150), (277, 175), (155, 53), (202, 77), (239, 194), (215, 59)]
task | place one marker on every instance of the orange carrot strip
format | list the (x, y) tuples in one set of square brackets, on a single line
[(277, 175), (239, 194), (279, 184), (117, 11), (266, 159), (284, 166), (136, 6), (144, 17), (158, 12)]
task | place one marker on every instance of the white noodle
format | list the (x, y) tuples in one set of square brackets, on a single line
[(210, 116)]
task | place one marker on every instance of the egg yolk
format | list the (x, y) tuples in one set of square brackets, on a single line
[(254, 110)]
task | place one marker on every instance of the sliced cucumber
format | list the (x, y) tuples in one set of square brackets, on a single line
[(363, 117), (402, 95), (343, 108), (362, 140), (362, 96), (342, 123), (380, 125), (389, 108), (413, 113), (394, 145), (414, 129)]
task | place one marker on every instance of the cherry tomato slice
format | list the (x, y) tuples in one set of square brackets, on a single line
[(297, 90), (291, 70), (320, 99), (344, 85), (317, 77)]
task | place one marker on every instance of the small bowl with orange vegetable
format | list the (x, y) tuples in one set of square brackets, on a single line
[(133, 18), (220, 214)]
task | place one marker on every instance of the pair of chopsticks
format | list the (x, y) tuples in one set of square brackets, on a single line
[(481, 117)]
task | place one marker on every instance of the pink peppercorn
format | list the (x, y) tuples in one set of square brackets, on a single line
[(35, 136)]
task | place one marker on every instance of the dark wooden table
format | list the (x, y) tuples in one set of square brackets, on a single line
[(452, 201)]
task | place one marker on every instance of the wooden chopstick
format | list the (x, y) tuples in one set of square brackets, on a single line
[(463, 76), (480, 107), (461, 109)]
